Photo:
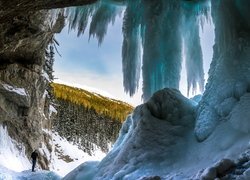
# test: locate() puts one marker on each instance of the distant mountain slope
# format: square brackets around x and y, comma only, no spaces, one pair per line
[89,120]
[112,108]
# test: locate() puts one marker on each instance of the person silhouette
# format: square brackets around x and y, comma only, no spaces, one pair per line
[34,156]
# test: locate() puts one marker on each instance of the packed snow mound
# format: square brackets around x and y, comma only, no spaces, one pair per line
[154,136]
[158,140]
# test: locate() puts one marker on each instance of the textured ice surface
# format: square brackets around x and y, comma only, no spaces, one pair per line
[229,74]
[158,140]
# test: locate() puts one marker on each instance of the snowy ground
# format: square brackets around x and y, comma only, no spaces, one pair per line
[12,156]
[66,150]
[6,174]
[65,157]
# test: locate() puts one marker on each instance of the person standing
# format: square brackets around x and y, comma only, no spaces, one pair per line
[34,156]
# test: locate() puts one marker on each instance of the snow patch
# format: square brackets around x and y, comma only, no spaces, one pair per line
[20,91]
[67,156]
[52,110]
[90,89]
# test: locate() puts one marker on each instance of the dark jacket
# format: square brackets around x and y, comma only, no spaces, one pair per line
[34,155]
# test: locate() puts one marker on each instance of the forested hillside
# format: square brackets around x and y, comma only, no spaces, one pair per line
[116,110]
[89,120]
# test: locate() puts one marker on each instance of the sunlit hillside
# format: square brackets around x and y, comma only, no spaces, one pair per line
[112,108]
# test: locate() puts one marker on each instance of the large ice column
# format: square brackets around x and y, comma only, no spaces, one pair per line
[228,88]
[162,46]
[193,52]
[131,47]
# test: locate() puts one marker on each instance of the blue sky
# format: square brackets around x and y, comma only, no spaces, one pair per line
[83,62]
[99,68]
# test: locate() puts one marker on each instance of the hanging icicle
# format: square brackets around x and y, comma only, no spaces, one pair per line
[104,15]
[157,25]
[193,54]
[131,47]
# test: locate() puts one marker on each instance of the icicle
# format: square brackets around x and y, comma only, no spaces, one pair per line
[131,51]
[193,53]
[104,15]
[162,46]
[78,17]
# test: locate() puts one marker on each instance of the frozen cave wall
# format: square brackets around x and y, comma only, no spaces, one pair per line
[227,93]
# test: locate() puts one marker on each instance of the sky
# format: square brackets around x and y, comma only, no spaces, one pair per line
[85,64]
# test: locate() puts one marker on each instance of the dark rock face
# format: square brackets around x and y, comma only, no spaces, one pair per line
[14,8]
[25,32]
[88,129]
[25,39]
[24,103]
[23,106]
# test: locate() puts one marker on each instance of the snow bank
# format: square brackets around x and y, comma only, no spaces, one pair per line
[67,156]
[154,136]
[158,140]
[12,154]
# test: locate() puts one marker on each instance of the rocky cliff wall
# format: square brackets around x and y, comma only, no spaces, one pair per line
[24,102]
[24,105]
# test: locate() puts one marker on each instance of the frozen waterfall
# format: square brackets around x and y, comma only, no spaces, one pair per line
[154,36]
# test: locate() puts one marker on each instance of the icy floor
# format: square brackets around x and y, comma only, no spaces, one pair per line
[6,174]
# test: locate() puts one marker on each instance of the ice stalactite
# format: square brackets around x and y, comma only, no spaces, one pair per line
[193,52]
[156,27]
[131,47]
[161,47]
[78,17]
[102,17]
[229,75]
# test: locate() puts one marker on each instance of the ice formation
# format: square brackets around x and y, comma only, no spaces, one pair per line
[159,28]
[168,132]
[158,140]
[192,48]
[228,85]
